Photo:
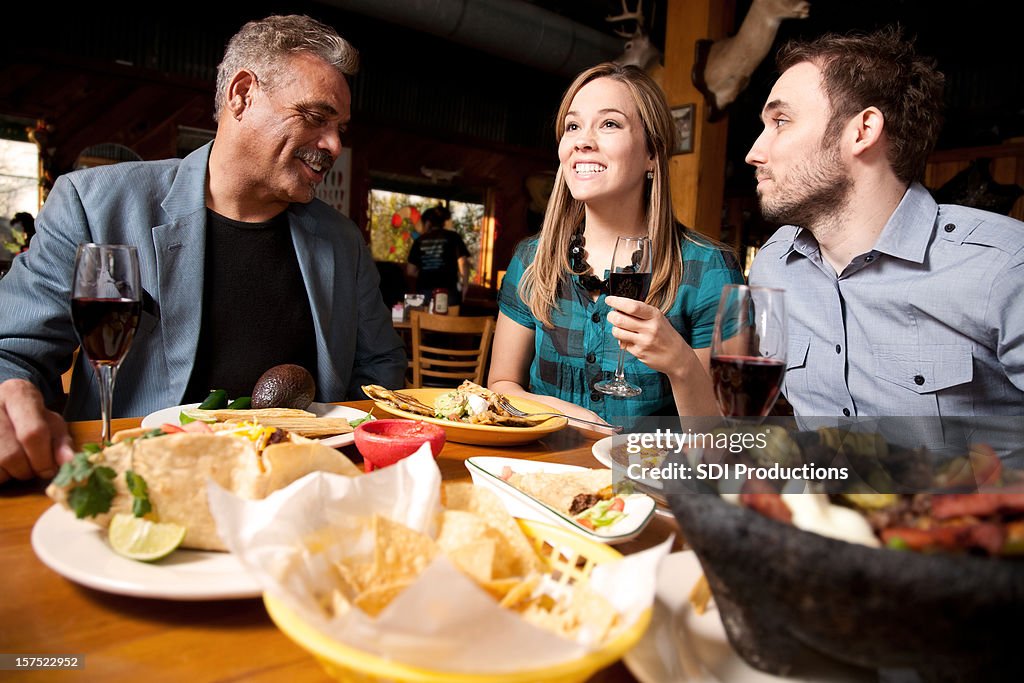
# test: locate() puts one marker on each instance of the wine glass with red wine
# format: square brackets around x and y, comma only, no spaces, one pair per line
[629,276]
[748,350]
[106,301]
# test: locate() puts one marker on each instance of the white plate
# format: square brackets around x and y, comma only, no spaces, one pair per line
[486,472]
[78,550]
[682,646]
[171,415]
[602,451]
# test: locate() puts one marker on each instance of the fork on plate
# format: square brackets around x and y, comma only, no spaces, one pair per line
[504,404]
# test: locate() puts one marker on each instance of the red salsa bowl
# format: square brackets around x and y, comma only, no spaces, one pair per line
[385,442]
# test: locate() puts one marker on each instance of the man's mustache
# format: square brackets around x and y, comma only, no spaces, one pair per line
[316,157]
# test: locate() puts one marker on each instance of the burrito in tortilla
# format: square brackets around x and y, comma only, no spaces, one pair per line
[250,460]
[586,496]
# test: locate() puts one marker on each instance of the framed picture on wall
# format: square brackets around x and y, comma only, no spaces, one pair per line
[683,117]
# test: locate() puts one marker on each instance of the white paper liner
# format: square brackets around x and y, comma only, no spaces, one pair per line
[441,621]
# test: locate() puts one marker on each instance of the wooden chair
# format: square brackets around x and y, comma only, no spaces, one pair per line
[448,349]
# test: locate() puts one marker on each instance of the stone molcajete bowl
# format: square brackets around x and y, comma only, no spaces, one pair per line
[950,618]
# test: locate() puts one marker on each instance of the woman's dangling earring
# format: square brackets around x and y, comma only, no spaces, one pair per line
[650,175]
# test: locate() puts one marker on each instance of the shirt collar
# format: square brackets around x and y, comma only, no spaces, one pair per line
[902,236]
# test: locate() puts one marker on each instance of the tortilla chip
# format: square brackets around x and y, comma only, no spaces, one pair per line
[499,588]
[400,553]
[358,574]
[374,600]
[519,594]
[584,615]
[515,555]
[475,559]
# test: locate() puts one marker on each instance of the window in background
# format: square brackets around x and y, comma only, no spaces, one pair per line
[19,192]
[19,178]
[395,222]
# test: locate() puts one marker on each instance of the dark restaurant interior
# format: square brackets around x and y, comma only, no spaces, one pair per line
[454,106]
[463,111]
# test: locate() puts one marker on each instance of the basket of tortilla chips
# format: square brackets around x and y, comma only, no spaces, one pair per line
[430,583]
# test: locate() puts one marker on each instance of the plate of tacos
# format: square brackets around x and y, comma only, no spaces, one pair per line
[469,413]
[577,498]
[327,423]
[161,474]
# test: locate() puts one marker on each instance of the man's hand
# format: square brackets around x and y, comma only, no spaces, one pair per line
[34,441]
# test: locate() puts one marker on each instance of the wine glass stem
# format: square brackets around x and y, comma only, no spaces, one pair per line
[619,374]
[106,374]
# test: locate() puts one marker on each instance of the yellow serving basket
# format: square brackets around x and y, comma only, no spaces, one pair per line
[569,556]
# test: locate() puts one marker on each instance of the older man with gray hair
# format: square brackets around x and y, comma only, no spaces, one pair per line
[242,268]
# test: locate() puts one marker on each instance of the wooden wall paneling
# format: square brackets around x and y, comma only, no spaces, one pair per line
[697,178]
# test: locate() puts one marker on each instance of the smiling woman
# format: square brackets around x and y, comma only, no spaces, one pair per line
[558,335]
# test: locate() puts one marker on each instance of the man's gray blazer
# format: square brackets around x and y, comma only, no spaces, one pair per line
[160,207]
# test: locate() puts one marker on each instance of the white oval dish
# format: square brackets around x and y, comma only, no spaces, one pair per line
[486,472]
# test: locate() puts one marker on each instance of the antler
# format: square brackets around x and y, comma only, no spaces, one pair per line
[636,15]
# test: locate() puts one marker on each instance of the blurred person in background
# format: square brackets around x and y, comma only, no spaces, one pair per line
[439,259]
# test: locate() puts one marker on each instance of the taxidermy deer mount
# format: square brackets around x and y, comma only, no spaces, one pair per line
[722,68]
[639,50]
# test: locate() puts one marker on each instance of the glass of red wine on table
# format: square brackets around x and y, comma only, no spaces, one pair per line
[106,301]
[748,350]
[630,277]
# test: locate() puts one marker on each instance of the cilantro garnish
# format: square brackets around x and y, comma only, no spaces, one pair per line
[92,485]
[140,494]
[361,420]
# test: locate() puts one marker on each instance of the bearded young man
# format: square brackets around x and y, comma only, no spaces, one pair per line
[242,268]
[896,305]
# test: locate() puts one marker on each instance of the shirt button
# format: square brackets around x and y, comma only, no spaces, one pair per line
[595,395]
[591,357]
[918,380]
[596,317]
[949,227]
[846,412]
[869,258]
[839,349]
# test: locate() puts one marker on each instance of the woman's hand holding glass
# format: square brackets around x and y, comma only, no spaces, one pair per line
[644,332]
[630,277]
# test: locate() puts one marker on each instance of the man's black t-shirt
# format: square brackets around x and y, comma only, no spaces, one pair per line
[437,254]
[256,310]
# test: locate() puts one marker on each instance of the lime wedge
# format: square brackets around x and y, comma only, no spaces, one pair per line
[195,415]
[142,539]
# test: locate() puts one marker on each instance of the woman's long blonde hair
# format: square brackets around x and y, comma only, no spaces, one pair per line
[550,269]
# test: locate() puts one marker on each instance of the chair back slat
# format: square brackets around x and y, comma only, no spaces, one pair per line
[458,348]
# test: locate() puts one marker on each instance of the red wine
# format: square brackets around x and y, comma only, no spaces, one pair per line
[106,327]
[629,285]
[745,386]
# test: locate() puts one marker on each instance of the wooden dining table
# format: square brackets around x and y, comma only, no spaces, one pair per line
[126,638]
